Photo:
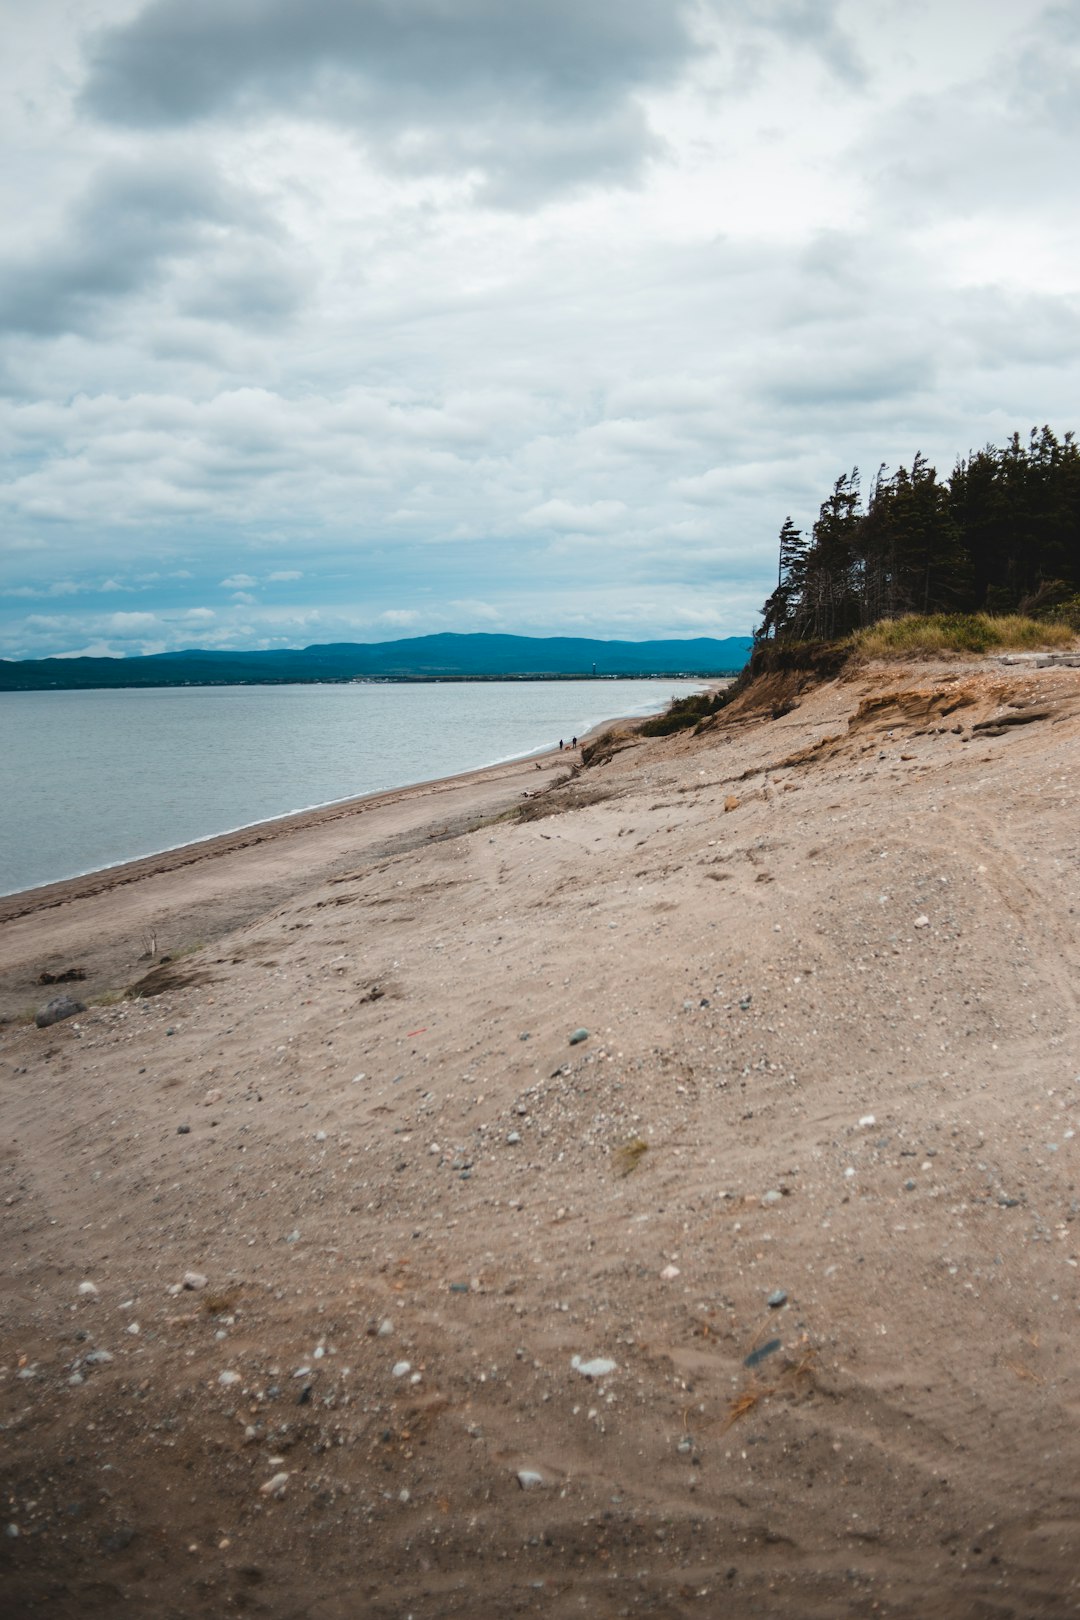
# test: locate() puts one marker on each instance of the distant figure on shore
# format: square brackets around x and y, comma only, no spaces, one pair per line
[574,743]
[560,745]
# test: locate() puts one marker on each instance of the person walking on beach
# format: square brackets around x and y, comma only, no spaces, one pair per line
[560,745]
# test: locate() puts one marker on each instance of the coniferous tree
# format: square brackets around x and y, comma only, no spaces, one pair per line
[1001,535]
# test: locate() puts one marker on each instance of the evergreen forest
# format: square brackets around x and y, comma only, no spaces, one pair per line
[1001,535]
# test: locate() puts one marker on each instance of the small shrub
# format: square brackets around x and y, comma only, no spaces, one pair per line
[685,712]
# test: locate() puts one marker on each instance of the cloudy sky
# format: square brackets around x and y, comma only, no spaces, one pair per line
[351,319]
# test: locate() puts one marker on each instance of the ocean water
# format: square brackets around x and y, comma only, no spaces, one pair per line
[91,779]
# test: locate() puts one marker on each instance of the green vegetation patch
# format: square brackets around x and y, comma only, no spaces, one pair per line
[685,712]
[957,632]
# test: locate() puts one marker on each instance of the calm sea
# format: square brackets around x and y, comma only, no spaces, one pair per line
[91,779]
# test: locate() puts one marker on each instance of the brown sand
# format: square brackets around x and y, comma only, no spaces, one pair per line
[358,1113]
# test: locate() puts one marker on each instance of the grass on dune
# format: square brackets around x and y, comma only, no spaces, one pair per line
[958,632]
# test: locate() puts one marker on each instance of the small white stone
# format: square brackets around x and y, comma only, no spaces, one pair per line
[88,1290]
[194,1280]
[227,1378]
[133,1327]
[921,922]
[529,1479]
[275,1486]
[598,1367]
[320,1136]
[386,1327]
[400,1368]
[867,1120]
[669,1273]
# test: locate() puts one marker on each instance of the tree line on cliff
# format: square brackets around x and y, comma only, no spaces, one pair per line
[1000,535]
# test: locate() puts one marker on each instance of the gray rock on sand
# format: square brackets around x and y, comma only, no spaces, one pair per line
[59,1008]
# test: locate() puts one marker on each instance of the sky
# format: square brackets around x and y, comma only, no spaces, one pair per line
[346,320]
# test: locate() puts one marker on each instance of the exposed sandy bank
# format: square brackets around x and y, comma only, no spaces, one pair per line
[772,933]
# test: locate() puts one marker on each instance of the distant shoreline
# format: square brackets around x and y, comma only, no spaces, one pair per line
[444,657]
[380,680]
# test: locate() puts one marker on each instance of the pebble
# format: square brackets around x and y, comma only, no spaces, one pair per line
[98,1358]
[294,1236]
[867,1120]
[921,922]
[669,1273]
[275,1486]
[88,1290]
[194,1280]
[598,1367]
[183,1130]
[776,1299]
[514,1138]
[400,1368]
[772,1197]
[909,1185]
[227,1379]
[529,1479]
[578,1036]
[386,1327]
[213,1096]
[133,1327]
[320,1136]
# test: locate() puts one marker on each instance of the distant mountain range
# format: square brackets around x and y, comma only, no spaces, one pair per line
[445,657]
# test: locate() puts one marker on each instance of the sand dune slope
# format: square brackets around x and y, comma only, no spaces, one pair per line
[807,1194]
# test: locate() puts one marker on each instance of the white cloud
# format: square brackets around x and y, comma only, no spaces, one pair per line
[95,649]
[565,517]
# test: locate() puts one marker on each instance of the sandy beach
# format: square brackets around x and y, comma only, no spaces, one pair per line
[657,1196]
[112,920]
